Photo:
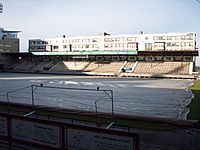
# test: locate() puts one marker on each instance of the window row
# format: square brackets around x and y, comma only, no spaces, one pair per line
[182,37]
[120,39]
[121,45]
[80,40]
[37,42]
[37,47]
[169,44]
[80,46]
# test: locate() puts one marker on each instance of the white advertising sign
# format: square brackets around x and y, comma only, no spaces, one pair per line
[37,133]
[3,126]
[88,140]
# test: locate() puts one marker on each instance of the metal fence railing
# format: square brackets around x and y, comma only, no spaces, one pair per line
[97,100]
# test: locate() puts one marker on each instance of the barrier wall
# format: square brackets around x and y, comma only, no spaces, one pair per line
[18,132]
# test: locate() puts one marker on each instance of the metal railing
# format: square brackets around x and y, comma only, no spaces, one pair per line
[108,95]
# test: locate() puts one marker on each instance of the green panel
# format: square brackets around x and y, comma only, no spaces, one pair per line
[124,52]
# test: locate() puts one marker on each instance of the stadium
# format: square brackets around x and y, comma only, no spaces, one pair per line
[171,55]
[101,92]
[147,114]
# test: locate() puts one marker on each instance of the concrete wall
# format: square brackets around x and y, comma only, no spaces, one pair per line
[9,46]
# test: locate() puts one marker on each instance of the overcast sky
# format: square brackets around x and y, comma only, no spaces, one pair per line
[53,18]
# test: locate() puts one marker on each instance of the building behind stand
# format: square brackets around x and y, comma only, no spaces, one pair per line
[9,48]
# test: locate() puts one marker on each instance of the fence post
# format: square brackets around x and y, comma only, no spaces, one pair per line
[8,101]
[96,106]
[112,103]
[32,97]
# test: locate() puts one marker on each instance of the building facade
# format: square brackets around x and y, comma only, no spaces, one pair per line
[107,42]
[9,44]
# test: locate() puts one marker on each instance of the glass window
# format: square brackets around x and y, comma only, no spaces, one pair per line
[158,58]
[177,58]
[148,46]
[119,45]
[188,58]
[106,45]
[190,44]
[168,58]
[132,58]
[55,47]
[159,38]
[176,37]
[117,39]
[94,40]
[129,39]
[140,58]
[169,44]
[149,58]
[169,38]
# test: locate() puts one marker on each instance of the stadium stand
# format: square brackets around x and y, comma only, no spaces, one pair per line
[129,64]
[25,65]
[148,55]
[179,68]
[104,67]
[68,66]
[42,66]
[87,66]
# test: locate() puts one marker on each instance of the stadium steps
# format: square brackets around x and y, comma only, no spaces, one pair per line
[176,68]
[40,66]
[25,66]
[76,65]
[139,68]
[104,67]
[129,65]
[13,67]
[68,66]
[58,67]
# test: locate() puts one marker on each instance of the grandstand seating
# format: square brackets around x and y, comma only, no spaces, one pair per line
[104,67]
[138,67]
[86,66]
[68,66]
[130,65]
[41,66]
[25,65]
[180,68]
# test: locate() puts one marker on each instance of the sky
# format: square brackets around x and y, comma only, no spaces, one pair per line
[54,18]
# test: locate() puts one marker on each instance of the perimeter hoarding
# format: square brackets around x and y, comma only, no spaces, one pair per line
[22,133]
[79,53]
[3,126]
[93,140]
[43,134]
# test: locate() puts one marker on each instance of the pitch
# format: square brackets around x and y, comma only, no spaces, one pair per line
[149,97]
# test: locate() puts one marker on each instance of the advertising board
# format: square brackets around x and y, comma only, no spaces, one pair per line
[43,134]
[3,126]
[90,140]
